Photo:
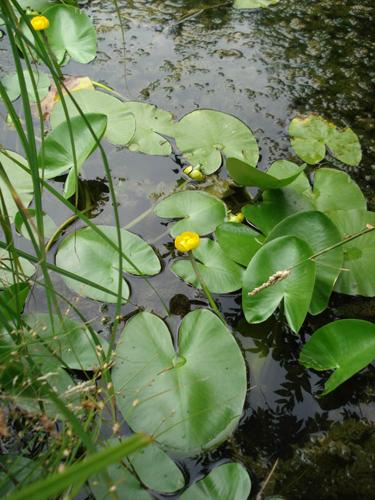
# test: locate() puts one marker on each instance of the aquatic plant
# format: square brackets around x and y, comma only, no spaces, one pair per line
[306,234]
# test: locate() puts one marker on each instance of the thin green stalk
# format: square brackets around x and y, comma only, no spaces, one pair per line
[205,287]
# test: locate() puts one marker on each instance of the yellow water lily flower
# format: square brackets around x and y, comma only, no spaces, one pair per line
[39,23]
[186,241]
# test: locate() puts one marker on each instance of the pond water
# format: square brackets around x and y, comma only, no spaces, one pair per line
[263,66]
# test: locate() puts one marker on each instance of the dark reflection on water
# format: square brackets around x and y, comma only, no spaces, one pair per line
[264,66]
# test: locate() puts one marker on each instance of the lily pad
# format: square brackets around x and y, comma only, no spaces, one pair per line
[190,400]
[20,180]
[88,255]
[150,123]
[70,33]
[253,4]
[295,290]
[204,135]
[228,481]
[336,190]
[345,346]
[13,271]
[311,133]
[157,470]
[67,339]
[238,241]
[218,271]
[56,155]
[358,275]
[280,203]
[120,122]
[12,86]
[245,175]
[48,225]
[201,212]
[320,233]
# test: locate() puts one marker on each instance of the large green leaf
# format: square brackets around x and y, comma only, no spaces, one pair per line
[246,175]
[37,5]
[358,275]
[190,400]
[20,180]
[295,290]
[150,122]
[157,470]
[120,122]
[238,241]
[280,203]
[320,233]
[336,190]
[12,86]
[49,227]
[311,133]
[67,339]
[201,212]
[228,481]
[56,155]
[13,271]
[89,256]
[204,135]
[70,33]
[253,4]
[218,271]
[346,346]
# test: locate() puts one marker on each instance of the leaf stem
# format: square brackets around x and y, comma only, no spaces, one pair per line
[205,287]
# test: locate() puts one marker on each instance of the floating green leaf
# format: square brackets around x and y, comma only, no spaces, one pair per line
[89,256]
[20,180]
[228,481]
[336,190]
[218,271]
[70,33]
[280,203]
[295,289]
[246,175]
[238,241]
[48,225]
[13,271]
[120,122]
[320,233]
[358,275]
[150,123]
[56,155]
[190,400]
[157,470]
[204,135]
[346,346]
[201,212]
[12,86]
[311,133]
[67,339]
[253,4]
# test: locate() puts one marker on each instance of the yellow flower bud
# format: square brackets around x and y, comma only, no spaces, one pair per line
[39,23]
[239,217]
[196,175]
[187,241]
[188,170]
